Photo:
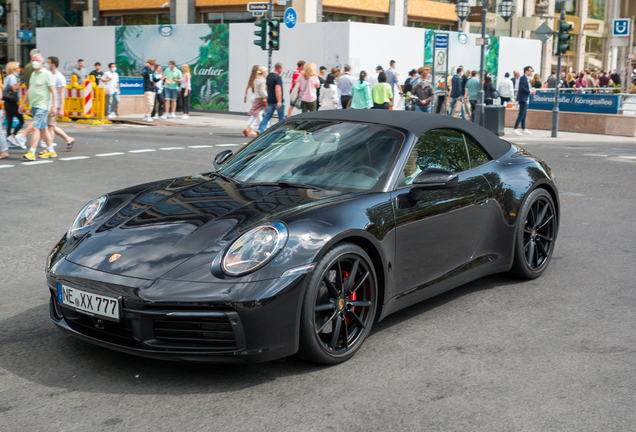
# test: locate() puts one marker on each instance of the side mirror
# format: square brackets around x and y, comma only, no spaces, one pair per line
[436,178]
[222,157]
[433,178]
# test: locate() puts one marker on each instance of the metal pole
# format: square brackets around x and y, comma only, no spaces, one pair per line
[479,109]
[555,110]
[269,50]
[16,27]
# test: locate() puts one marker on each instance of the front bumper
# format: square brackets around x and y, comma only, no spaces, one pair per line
[200,328]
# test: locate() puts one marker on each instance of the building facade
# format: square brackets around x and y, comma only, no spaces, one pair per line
[592,48]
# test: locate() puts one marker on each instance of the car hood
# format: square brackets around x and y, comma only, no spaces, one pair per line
[173,220]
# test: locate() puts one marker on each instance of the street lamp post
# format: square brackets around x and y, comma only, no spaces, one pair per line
[506,10]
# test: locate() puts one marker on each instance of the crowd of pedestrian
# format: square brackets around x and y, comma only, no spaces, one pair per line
[45,93]
[162,88]
[314,88]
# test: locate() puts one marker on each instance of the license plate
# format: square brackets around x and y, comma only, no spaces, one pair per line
[88,303]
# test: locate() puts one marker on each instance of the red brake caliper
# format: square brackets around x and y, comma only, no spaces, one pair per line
[345,275]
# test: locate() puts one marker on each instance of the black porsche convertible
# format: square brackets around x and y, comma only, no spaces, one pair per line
[297,244]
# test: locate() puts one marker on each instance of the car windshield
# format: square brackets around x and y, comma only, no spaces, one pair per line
[320,154]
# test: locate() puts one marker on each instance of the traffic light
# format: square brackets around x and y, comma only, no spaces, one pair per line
[274,35]
[564,37]
[262,34]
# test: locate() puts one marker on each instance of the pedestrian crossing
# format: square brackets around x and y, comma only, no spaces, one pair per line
[12,163]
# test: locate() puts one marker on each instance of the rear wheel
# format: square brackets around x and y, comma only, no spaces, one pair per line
[536,234]
[339,306]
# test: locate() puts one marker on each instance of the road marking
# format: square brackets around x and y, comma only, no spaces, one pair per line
[628,157]
[40,162]
[600,155]
[109,154]
[200,146]
[171,148]
[571,194]
[75,158]
[621,159]
[7,166]
[141,151]
[226,145]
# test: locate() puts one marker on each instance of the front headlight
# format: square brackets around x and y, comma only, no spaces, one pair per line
[254,249]
[87,214]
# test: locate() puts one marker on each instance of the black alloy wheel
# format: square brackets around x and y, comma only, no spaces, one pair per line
[537,231]
[339,306]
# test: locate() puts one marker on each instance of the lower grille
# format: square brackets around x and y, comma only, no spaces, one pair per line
[89,325]
[210,331]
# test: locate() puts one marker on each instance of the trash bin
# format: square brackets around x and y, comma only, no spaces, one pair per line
[495,119]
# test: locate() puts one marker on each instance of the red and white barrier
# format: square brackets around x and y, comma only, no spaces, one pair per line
[88,98]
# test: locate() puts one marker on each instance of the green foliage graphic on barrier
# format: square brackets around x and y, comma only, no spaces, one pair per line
[210,74]
[207,54]
[492,59]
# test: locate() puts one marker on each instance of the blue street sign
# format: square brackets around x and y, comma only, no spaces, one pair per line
[577,102]
[25,34]
[291,17]
[131,86]
[620,27]
[441,41]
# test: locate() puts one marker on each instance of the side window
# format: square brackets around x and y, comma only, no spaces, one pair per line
[439,148]
[475,153]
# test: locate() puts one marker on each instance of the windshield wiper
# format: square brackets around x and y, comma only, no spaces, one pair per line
[226,177]
[291,184]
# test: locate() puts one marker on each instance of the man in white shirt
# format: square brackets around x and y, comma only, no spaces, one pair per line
[345,82]
[60,86]
[112,90]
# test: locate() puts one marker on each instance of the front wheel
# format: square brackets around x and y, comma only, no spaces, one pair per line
[339,306]
[536,234]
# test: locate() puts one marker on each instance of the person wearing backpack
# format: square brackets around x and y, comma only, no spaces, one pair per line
[11,98]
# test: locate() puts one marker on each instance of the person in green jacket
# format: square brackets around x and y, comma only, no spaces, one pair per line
[381,93]
[361,93]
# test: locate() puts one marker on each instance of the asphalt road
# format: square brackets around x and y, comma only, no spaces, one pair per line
[557,353]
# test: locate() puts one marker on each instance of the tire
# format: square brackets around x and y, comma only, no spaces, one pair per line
[333,323]
[536,235]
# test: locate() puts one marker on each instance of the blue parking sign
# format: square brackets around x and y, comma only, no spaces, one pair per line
[291,17]
[620,27]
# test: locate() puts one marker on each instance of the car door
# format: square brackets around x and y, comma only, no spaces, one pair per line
[439,231]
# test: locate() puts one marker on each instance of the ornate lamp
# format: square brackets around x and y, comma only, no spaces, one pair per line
[463,9]
[506,9]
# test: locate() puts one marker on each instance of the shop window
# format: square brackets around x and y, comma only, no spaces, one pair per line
[331,16]
[141,19]
[425,25]
[112,20]
[596,9]
[52,13]
[232,17]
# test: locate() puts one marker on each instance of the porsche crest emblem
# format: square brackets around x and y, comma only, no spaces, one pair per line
[341,303]
[114,257]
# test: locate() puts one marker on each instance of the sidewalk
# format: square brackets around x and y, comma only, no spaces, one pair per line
[238,122]
[539,135]
[229,121]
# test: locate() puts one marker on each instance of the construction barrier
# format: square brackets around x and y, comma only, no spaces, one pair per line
[28,112]
[86,102]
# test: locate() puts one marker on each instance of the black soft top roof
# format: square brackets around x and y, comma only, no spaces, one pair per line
[416,122]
